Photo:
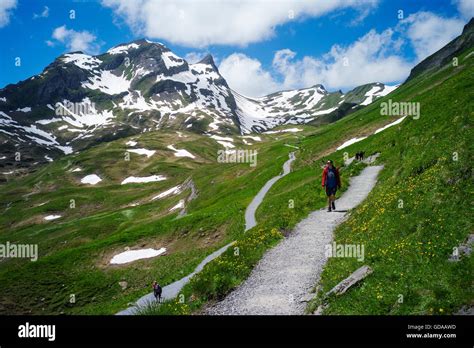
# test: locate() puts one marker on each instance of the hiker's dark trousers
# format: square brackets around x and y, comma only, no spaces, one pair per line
[331,190]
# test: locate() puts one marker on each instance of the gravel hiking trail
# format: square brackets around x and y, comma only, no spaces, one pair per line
[285,275]
[172,290]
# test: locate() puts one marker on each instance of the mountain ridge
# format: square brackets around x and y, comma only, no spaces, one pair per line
[142,86]
[446,53]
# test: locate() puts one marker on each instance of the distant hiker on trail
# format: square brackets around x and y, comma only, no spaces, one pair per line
[331,182]
[157,290]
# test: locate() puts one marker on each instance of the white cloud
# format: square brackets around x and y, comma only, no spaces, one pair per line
[374,57]
[466,8]
[6,7]
[360,18]
[297,73]
[429,32]
[44,14]
[247,76]
[194,57]
[200,23]
[75,40]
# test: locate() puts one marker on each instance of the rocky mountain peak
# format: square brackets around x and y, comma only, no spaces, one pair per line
[209,60]
[142,86]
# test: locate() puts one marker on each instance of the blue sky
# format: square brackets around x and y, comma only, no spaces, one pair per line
[260,46]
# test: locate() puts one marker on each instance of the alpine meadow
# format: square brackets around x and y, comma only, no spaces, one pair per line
[237,158]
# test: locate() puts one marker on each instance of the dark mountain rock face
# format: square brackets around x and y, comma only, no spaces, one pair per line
[447,53]
[208,60]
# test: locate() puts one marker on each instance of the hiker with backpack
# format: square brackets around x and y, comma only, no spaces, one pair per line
[157,290]
[331,182]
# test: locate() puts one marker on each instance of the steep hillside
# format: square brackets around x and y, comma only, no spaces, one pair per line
[156,190]
[410,224]
[416,221]
[446,55]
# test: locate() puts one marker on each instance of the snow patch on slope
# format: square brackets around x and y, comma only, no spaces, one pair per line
[143,179]
[350,142]
[376,92]
[356,140]
[108,83]
[133,255]
[33,133]
[145,152]
[171,60]
[122,48]
[224,141]
[51,217]
[400,120]
[180,205]
[25,109]
[85,119]
[91,179]
[172,191]
[83,61]
[181,152]
[288,130]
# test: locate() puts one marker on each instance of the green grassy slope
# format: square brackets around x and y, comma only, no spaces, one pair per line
[407,247]
[75,249]
[419,211]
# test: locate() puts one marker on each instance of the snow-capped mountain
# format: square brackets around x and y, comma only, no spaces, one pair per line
[302,105]
[80,100]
